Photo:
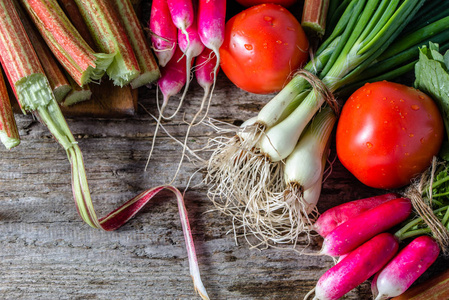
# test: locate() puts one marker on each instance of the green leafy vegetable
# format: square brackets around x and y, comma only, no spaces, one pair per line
[432,77]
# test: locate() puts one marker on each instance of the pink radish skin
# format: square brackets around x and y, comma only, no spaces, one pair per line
[173,77]
[354,232]
[191,45]
[400,273]
[356,267]
[211,29]
[211,23]
[205,72]
[337,215]
[164,33]
[182,13]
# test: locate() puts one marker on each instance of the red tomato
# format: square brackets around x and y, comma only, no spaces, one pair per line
[388,133]
[263,45]
[284,3]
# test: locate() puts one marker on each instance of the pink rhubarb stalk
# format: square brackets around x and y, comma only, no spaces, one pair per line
[74,54]
[9,135]
[314,16]
[74,15]
[58,80]
[110,37]
[149,71]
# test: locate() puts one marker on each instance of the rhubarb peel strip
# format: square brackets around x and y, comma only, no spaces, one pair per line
[121,215]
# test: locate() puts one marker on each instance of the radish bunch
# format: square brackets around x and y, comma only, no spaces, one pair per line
[197,30]
[180,23]
[357,233]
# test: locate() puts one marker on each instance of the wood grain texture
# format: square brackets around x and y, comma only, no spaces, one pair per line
[47,252]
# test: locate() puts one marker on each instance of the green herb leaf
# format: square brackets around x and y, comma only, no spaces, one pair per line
[432,78]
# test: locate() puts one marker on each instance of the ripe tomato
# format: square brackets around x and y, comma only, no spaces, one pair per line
[284,3]
[388,133]
[263,45]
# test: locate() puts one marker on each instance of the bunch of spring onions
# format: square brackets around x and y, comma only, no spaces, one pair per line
[264,176]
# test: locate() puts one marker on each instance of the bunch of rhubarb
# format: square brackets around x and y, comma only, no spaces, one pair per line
[88,44]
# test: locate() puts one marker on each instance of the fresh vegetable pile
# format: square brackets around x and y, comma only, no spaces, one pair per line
[268,176]
[264,176]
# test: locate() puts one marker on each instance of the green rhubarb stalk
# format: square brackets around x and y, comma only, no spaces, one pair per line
[314,16]
[58,81]
[9,135]
[31,86]
[77,94]
[149,70]
[74,15]
[74,54]
[110,37]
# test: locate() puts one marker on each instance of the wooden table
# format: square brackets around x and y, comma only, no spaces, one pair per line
[47,252]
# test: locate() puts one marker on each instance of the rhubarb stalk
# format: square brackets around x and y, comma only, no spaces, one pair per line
[149,71]
[74,15]
[77,94]
[314,16]
[58,81]
[9,135]
[71,50]
[110,37]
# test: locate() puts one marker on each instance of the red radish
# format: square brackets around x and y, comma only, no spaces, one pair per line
[211,30]
[182,13]
[400,273]
[359,229]
[173,78]
[164,33]
[356,267]
[211,23]
[191,45]
[206,71]
[337,215]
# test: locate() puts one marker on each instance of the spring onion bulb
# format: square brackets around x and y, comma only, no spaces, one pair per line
[250,166]
[301,188]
